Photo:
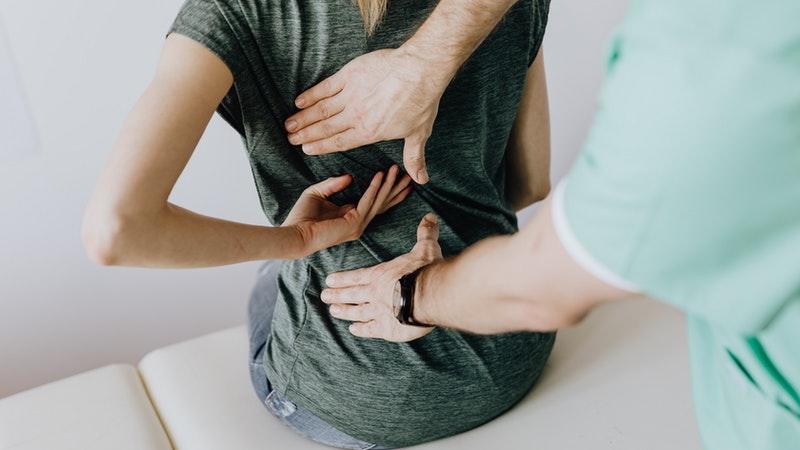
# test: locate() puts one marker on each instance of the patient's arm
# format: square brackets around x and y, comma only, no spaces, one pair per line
[528,151]
[129,220]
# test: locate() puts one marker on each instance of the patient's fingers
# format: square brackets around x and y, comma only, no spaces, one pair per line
[344,209]
[354,313]
[400,186]
[352,294]
[368,199]
[402,195]
[330,186]
[351,278]
[383,193]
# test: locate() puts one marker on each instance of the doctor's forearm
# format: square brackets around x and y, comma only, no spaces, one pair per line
[467,292]
[452,33]
[511,283]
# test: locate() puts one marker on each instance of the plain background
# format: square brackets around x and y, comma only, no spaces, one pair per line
[81,66]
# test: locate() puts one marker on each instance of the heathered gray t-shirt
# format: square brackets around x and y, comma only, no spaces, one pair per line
[385,393]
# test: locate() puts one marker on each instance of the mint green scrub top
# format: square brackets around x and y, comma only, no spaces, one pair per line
[688,189]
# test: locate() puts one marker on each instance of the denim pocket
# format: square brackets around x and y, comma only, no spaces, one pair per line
[309,425]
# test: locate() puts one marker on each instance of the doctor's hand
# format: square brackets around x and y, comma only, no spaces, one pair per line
[382,95]
[322,224]
[366,296]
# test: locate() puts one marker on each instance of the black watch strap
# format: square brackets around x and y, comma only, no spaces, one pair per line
[408,285]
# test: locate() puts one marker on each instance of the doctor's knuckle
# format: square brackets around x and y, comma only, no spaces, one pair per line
[325,85]
[369,132]
[324,110]
[414,157]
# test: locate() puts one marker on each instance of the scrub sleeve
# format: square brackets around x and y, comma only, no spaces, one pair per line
[688,189]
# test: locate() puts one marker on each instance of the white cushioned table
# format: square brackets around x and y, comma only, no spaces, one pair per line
[104,409]
[620,380]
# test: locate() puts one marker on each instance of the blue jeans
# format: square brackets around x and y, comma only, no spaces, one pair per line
[260,310]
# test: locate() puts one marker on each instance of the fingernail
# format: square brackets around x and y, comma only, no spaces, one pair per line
[308,148]
[334,309]
[291,125]
[300,102]
[422,176]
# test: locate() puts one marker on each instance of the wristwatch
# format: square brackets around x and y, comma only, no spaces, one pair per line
[403,301]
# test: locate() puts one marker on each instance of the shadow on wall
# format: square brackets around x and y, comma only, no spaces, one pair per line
[17,131]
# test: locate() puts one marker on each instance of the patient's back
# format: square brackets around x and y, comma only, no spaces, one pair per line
[388,393]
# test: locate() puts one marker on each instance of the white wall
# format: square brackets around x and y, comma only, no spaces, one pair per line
[82,64]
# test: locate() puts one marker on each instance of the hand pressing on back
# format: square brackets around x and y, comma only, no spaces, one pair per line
[367,296]
[382,95]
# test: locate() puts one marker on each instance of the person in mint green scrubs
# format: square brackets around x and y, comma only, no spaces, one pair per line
[687,190]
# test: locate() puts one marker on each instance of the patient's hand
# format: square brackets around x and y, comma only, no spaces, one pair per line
[322,224]
[366,296]
[382,95]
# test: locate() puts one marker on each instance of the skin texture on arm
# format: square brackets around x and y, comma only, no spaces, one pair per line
[522,282]
[528,282]
[394,93]
[129,220]
[528,150]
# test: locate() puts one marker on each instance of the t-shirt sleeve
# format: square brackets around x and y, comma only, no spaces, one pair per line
[209,22]
[212,23]
[541,11]
[687,187]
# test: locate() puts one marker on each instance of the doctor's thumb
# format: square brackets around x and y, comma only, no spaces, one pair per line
[414,159]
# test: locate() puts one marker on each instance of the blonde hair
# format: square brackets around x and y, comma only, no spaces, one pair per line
[372,11]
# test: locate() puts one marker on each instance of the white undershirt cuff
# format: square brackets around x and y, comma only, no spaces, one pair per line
[577,251]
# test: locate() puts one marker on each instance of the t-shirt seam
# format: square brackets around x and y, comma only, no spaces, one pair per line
[225,51]
[540,16]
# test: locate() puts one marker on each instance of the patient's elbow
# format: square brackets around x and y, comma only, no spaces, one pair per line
[103,236]
[540,191]
[532,193]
